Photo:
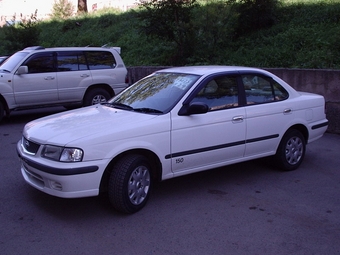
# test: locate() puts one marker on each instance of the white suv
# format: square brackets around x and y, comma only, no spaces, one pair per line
[70,76]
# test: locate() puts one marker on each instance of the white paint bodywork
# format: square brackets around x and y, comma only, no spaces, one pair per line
[182,144]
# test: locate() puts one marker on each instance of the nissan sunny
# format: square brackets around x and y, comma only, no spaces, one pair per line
[174,122]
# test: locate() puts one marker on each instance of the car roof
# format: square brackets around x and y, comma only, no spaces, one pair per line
[210,69]
[215,69]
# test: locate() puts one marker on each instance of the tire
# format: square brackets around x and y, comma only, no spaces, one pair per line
[130,184]
[291,150]
[2,111]
[96,96]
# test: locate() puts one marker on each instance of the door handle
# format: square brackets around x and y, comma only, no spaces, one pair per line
[84,75]
[49,78]
[237,119]
[287,111]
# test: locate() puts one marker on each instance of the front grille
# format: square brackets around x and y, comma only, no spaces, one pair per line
[29,146]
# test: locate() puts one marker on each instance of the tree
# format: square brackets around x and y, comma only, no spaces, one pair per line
[82,6]
[62,9]
[255,15]
[170,20]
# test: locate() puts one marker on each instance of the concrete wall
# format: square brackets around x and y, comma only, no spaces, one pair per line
[323,82]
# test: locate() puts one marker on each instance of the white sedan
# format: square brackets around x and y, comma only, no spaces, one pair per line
[174,122]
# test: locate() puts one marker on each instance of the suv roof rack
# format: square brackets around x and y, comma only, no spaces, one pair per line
[35,48]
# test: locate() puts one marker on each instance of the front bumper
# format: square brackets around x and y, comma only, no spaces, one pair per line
[67,180]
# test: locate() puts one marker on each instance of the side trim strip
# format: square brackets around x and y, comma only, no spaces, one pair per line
[262,138]
[58,171]
[320,125]
[221,146]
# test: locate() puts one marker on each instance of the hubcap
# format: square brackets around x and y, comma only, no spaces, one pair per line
[98,99]
[139,184]
[294,150]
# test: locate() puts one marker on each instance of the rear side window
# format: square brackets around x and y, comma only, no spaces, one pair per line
[40,63]
[260,89]
[71,61]
[100,60]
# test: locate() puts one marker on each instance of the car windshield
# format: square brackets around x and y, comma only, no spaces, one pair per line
[156,94]
[12,61]
[2,59]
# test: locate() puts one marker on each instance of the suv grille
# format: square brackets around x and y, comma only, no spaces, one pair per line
[29,146]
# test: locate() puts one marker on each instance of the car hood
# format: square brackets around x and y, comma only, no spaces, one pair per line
[85,123]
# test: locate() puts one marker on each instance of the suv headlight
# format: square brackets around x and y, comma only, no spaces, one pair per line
[62,154]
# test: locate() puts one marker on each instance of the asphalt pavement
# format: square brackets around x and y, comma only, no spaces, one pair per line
[247,208]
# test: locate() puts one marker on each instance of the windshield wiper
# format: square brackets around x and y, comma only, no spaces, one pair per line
[147,110]
[118,105]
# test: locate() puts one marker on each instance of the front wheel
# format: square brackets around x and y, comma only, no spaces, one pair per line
[2,111]
[291,150]
[96,96]
[129,184]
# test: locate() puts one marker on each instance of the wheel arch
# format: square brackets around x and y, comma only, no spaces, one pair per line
[4,104]
[105,86]
[155,163]
[302,129]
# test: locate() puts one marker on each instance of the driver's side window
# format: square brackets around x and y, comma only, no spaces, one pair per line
[40,63]
[219,93]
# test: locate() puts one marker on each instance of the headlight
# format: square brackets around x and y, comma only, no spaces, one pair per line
[62,154]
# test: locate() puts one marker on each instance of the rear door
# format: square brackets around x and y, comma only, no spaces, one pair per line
[73,74]
[267,111]
[39,85]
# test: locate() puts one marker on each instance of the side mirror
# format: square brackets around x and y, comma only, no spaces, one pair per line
[194,108]
[22,70]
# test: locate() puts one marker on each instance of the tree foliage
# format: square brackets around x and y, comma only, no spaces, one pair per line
[21,34]
[302,35]
[255,15]
[62,9]
[169,20]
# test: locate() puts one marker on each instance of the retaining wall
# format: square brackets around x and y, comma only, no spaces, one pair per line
[323,82]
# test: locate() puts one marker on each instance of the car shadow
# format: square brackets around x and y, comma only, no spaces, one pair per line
[215,182]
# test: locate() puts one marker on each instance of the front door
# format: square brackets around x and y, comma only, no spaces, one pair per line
[203,141]
[39,85]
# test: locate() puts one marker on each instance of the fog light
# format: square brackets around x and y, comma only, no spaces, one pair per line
[56,185]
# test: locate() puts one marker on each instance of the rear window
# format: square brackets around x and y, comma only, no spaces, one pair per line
[100,60]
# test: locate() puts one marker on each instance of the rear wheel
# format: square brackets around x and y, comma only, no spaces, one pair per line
[291,150]
[96,96]
[130,183]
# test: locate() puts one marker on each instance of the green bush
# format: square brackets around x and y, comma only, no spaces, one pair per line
[296,33]
[20,34]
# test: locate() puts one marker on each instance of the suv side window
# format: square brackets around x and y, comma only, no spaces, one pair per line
[40,63]
[219,93]
[260,89]
[100,60]
[71,61]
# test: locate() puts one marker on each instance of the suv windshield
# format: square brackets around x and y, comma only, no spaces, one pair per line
[13,61]
[157,93]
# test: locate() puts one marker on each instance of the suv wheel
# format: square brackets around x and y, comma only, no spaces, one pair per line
[2,111]
[96,96]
